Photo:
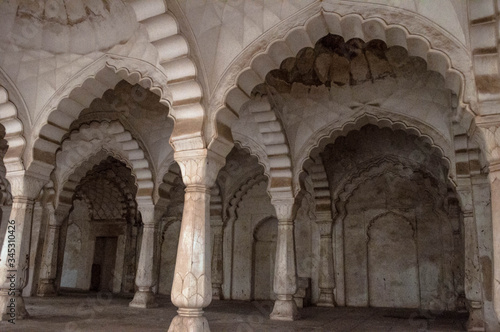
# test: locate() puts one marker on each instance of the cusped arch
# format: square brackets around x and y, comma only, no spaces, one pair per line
[11,122]
[71,99]
[310,154]
[171,182]
[237,197]
[174,59]
[251,71]
[349,27]
[111,137]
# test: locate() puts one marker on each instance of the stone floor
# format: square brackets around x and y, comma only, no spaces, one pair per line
[101,312]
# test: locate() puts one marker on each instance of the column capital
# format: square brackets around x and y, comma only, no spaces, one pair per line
[199,167]
[25,186]
[283,202]
[147,213]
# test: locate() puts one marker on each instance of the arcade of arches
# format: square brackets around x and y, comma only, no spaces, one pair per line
[311,153]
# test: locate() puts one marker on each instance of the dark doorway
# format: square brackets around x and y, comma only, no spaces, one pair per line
[103,266]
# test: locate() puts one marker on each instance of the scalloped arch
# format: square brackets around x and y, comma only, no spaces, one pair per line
[90,140]
[251,71]
[237,197]
[71,99]
[328,135]
[170,179]
[254,149]
[14,131]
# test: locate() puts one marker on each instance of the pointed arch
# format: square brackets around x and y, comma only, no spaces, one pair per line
[248,70]
[88,143]
[68,102]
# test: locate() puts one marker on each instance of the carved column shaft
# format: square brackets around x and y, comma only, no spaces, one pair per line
[326,274]
[144,278]
[285,273]
[14,257]
[192,284]
[217,256]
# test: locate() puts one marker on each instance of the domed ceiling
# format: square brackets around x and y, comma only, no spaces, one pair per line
[66,26]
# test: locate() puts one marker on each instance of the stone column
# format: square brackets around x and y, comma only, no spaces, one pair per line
[48,271]
[473,292]
[192,285]
[494,178]
[326,275]
[144,278]
[14,257]
[217,255]
[285,273]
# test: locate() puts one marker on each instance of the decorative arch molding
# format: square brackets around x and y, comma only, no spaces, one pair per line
[91,139]
[10,119]
[237,197]
[176,61]
[306,28]
[68,102]
[306,158]
[320,188]
[254,149]
[276,144]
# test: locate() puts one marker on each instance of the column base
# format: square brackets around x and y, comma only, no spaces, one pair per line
[325,300]
[12,308]
[285,309]
[143,300]
[189,320]
[476,321]
[46,288]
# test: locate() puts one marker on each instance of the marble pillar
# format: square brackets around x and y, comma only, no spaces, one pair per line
[192,284]
[285,273]
[48,268]
[144,279]
[14,257]
[217,256]
[473,291]
[326,278]
[494,177]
